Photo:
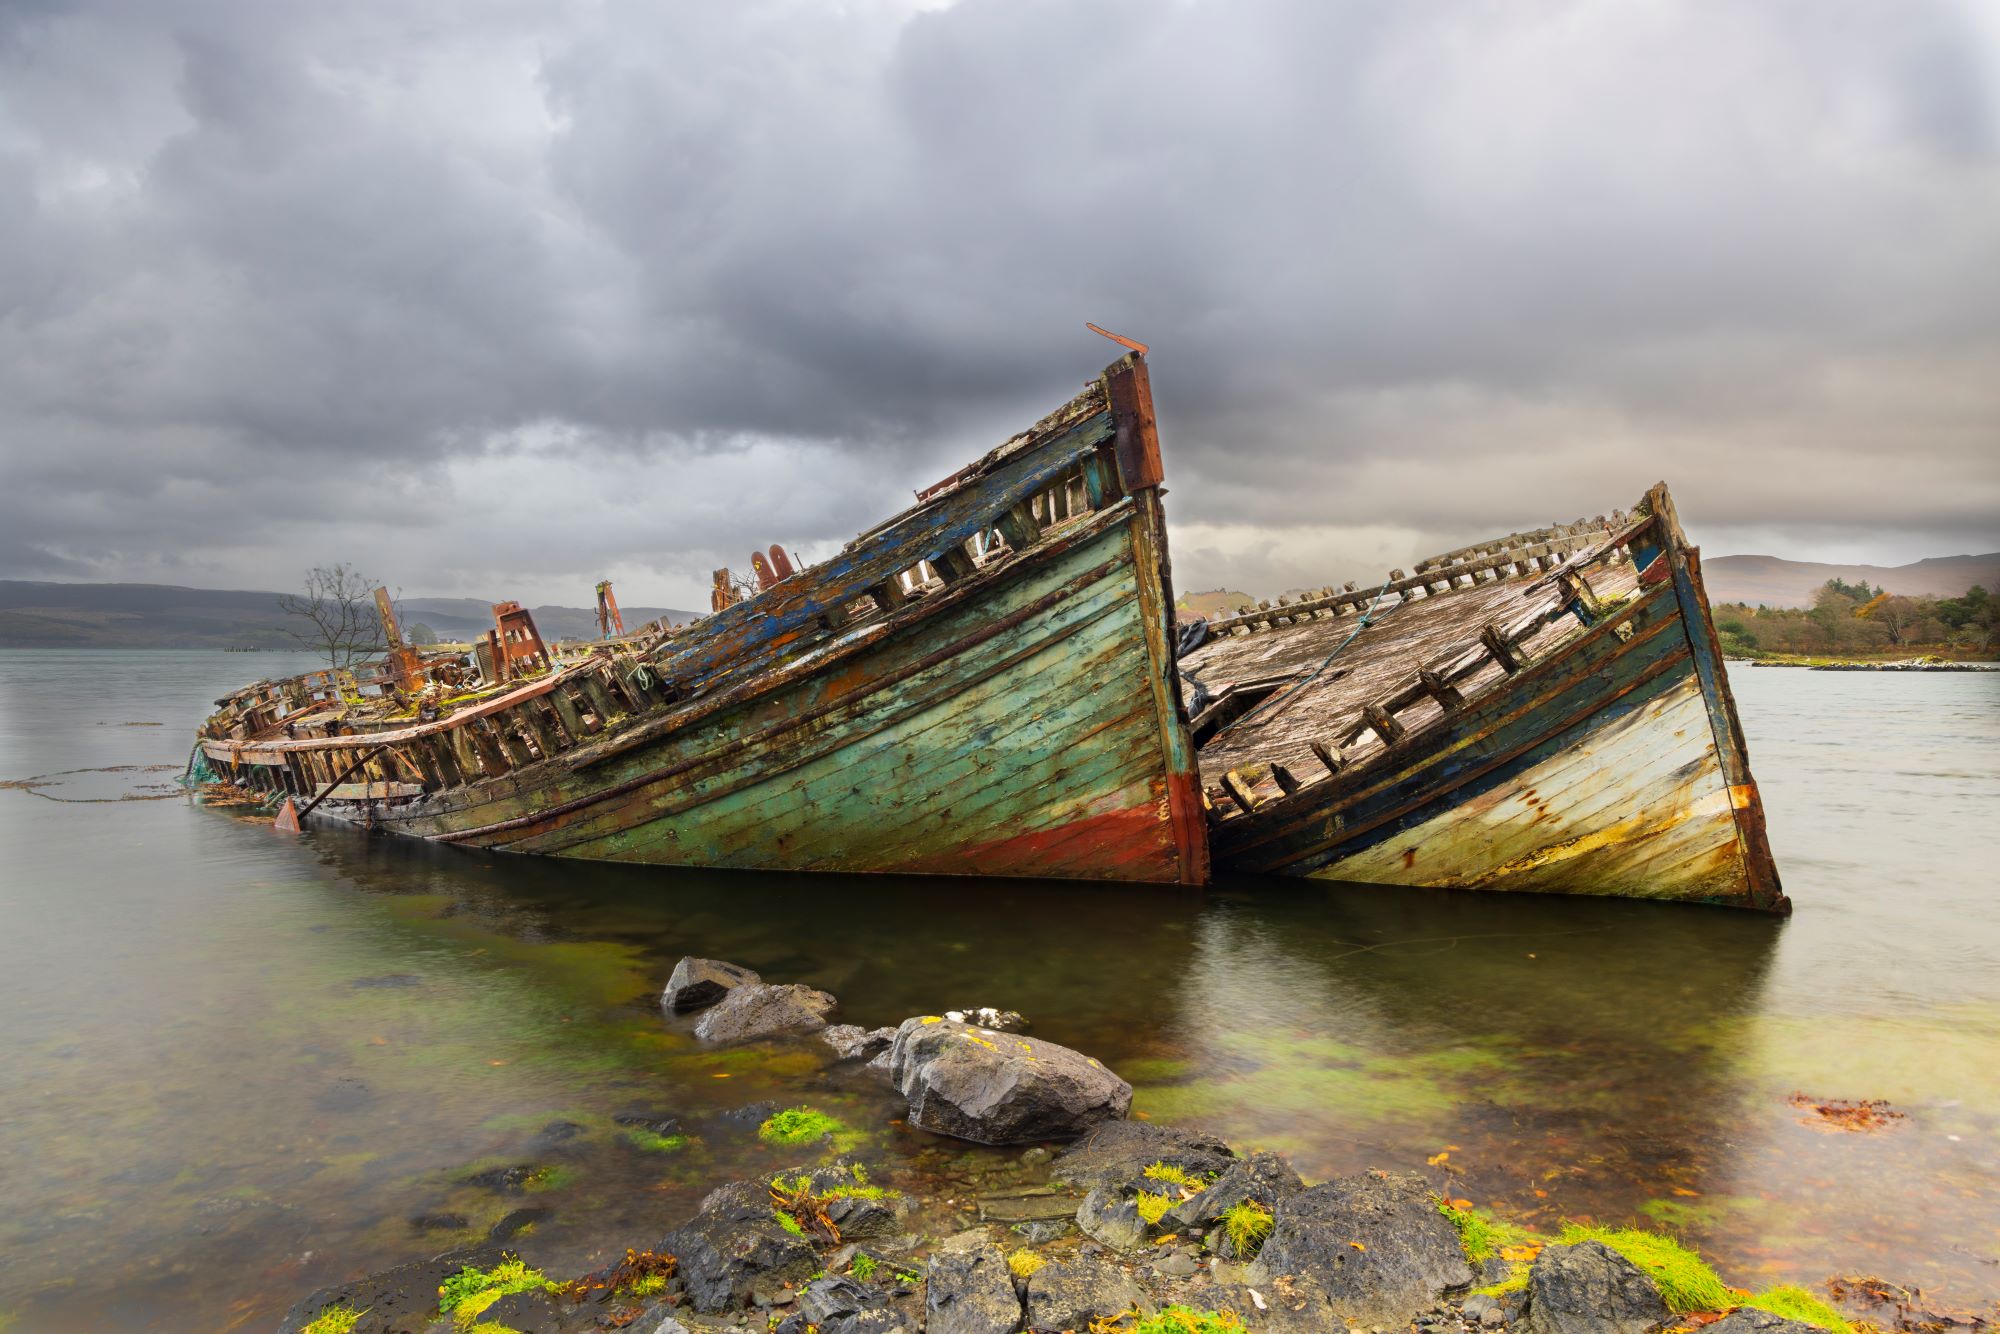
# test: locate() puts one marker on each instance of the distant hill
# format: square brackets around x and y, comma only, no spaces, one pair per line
[46,615]
[1772,581]
[1216,602]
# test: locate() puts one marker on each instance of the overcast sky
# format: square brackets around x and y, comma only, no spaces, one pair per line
[501,298]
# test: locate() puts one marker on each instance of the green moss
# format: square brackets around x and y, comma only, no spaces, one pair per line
[788,1223]
[1247,1223]
[1514,1282]
[642,1138]
[1684,1278]
[1475,1234]
[1024,1263]
[860,1193]
[1152,1207]
[1176,1176]
[338,1319]
[864,1266]
[799,1125]
[1795,1303]
[1186,1320]
[471,1290]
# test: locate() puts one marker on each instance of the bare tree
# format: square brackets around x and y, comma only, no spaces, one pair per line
[337,612]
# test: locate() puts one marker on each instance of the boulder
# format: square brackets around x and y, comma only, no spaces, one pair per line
[1376,1243]
[1000,1088]
[734,1245]
[1588,1288]
[699,983]
[1263,1177]
[969,1289]
[851,1042]
[402,1300]
[758,1010]
[1069,1293]
[1117,1151]
[1747,1320]
[846,1306]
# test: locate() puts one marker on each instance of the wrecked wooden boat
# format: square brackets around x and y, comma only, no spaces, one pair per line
[1546,712]
[982,685]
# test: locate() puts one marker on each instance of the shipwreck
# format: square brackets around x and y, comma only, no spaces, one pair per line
[1547,711]
[994,682]
[983,684]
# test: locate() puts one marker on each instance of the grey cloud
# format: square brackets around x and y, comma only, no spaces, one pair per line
[275,279]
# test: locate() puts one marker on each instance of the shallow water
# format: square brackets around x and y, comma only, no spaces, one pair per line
[237,1066]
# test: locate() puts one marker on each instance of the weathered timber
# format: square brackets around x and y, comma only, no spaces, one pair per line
[1585,743]
[844,717]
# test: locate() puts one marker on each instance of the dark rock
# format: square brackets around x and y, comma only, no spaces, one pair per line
[402,1300]
[846,1306]
[1117,1151]
[1263,1177]
[1040,1230]
[557,1133]
[861,1220]
[851,1042]
[1110,1214]
[1588,1288]
[517,1222]
[735,1245]
[1177,1265]
[1285,1305]
[969,1289]
[346,1095]
[698,983]
[504,1180]
[751,1115]
[659,1123]
[1746,1320]
[1069,1293]
[529,1312]
[1375,1243]
[757,1010]
[995,1088]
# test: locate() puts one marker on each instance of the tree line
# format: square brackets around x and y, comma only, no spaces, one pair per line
[1857,620]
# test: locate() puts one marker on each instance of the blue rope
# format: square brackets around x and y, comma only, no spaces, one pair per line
[1367,619]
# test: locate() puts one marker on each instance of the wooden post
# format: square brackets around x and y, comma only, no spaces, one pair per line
[1502,651]
[1384,723]
[1328,756]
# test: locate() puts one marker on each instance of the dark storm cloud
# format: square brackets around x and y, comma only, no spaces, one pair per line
[498,297]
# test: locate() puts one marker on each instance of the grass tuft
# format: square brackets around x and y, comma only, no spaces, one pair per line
[1247,1223]
[1795,1303]
[1684,1278]
[864,1266]
[1024,1262]
[1176,1176]
[337,1319]
[799,1125]
[1152,1208]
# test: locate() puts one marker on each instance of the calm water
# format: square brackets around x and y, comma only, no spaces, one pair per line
[236,1066]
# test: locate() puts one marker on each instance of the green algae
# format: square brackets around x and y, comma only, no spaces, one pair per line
[653,1142]
[464,1295]
[799,1125]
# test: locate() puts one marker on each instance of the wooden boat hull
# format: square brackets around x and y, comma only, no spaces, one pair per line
[1019,718]
[1612,765]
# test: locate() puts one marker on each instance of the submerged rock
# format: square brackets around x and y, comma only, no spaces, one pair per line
[994,1088]
[1119,1151]
[698,983]
[1069,1293]
[968,1289]
[759,1010]
[734,1246]
[1376,1243]
[1588,1288]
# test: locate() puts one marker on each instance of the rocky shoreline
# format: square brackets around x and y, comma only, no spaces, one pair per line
[1109,1224]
